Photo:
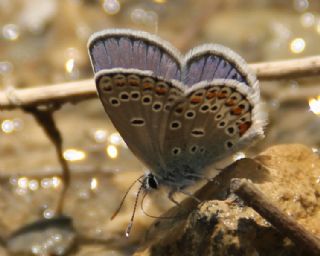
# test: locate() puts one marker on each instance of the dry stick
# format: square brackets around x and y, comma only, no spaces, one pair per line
[285,224]
[50,94]
[45,119]
[308,66]
[84,89]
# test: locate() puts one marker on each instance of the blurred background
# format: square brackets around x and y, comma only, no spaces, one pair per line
[44,42]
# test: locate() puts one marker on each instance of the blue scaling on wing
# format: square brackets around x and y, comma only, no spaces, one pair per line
[211,61]
[127,49]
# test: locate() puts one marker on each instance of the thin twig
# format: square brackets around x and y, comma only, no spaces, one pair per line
[85,89]
[45,119]
[308,66]
[285,224]
[58,93]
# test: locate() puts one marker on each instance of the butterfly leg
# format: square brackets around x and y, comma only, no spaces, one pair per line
[190,195]
[202,177]
[170,196]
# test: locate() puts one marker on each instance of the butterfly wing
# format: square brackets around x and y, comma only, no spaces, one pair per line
[132,72]
[219,115]
[213,61]
[137,104]
[129,49]
[214,120]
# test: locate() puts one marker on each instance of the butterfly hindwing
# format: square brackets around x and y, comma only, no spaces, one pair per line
[137,104]
[209,124]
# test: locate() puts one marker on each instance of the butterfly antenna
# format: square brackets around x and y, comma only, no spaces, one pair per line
[128,230]
[124,197]
[149,215]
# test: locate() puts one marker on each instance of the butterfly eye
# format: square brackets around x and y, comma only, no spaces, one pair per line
[119,80]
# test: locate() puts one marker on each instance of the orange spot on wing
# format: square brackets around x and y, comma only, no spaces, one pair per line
[222,95]
[230,103]
[236,111]
[244,127]
[196,99]
[147,85]
[211,95]
[120,82]
[133,82]
[161,90]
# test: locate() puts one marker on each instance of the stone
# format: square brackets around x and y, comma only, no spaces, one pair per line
[289,175]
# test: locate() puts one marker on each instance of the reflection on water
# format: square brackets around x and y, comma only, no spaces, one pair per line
[91,201]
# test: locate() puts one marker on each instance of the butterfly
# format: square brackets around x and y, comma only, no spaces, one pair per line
[177,114]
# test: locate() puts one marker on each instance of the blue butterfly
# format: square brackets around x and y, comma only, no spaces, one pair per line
[177,114]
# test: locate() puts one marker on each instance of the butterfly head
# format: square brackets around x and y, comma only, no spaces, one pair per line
[150,182]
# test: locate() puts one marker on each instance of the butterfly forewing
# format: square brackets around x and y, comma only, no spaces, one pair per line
[134,50]
[209,62]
